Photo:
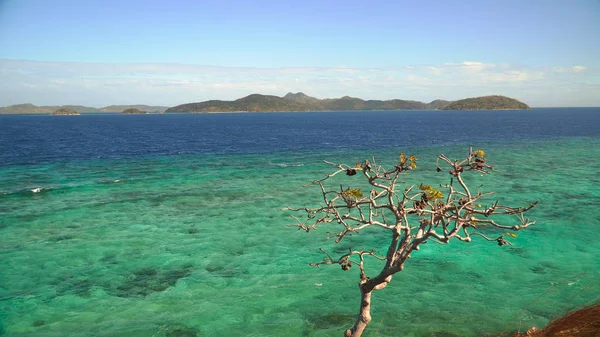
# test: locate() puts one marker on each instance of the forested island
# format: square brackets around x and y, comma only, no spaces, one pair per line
[133,111]
[486,103]
[65,112]
[302,102]
[29,108]
[290,102]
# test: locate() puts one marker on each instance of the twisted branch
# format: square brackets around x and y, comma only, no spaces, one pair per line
[418,215]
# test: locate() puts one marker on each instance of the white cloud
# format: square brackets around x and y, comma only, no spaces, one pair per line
[344,70]
[511,76]
[98,84]
[28,85]
[469,67]
[471,64]
[573,69]
[434,70]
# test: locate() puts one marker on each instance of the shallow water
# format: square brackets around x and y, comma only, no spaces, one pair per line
[153,242]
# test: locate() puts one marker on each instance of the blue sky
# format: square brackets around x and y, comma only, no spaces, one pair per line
[546,53]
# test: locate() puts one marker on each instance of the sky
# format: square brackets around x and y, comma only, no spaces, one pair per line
[97,53]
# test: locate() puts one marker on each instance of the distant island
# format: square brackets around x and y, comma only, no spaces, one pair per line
[29,108]
[65,112]
[146,108]
[302,102]
[290,102]
[486,103]
[133,111]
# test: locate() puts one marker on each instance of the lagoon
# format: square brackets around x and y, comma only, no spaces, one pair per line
[170,225]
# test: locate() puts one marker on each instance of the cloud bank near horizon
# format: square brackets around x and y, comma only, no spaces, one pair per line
[101,84]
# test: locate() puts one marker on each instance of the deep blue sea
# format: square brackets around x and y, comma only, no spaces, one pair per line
[170,225]
[26,139]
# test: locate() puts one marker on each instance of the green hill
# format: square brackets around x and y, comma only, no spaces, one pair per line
[253,103]
[302,102]
[65,112]
[26,108]
[486,103]
[438,103]
[344,103]
[302,98]
[134,111]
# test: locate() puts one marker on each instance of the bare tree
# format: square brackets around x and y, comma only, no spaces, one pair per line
[412,215]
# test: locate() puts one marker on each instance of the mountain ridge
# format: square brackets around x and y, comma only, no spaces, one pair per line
[28,108]
[290,102]
[301,102]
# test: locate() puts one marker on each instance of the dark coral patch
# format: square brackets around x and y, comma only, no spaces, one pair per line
[182,332]
[148,280]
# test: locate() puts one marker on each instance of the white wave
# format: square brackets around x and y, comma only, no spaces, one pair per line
[287,165]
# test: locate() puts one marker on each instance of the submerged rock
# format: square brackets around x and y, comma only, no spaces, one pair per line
[182,331]
[331,321]
[148,280]
[193,230]
[38,323]
[226,270]
[442,334]
[70,285]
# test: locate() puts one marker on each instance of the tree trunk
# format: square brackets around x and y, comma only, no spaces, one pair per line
[364,315]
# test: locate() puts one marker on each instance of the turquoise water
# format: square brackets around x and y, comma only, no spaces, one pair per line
[196,245]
